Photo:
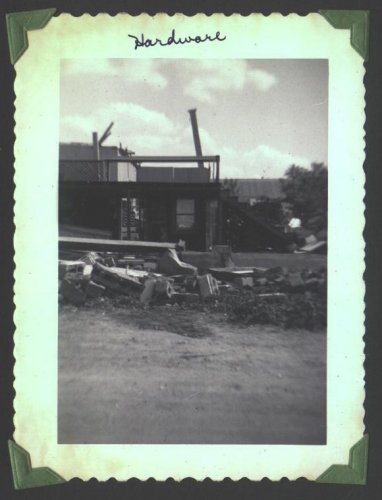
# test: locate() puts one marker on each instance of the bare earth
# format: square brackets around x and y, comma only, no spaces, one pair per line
[211,382]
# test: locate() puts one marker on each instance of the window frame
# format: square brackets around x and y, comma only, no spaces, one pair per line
[185,213]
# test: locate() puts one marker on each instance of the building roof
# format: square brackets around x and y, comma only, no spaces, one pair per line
[259,189]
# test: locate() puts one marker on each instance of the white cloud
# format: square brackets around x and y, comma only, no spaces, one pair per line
[134,125]
[209,77]
[139,117]
[147,131]
[199,89]
[263,161]
[76,128]
[152,143]
[129,71]
[262,79]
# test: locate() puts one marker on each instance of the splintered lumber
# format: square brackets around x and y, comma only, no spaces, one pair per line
[208,286]
[230,273]
[116,280]
[98,245]
[95,290]
[69,266]
[170,264]
[90,258]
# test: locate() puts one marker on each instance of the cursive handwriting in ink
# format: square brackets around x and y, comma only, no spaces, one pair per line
[175,40]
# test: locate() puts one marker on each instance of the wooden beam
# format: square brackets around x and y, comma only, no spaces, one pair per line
[94,245]
[156,159]
[106,134]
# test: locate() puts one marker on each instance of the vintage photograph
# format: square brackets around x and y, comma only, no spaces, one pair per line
[192,211]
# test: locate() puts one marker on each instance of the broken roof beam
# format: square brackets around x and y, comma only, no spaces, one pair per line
[106,134]
[100,245]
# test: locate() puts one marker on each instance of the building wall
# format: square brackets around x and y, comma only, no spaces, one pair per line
[122,172]
[92,205]
[93,171]
[77,151]
[211,222]
[172,174]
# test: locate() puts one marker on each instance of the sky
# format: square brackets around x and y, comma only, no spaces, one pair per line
[260,116]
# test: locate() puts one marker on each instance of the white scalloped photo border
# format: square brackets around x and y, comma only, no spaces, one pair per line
[36,241]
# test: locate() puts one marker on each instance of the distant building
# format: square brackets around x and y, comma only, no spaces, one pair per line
[253,191]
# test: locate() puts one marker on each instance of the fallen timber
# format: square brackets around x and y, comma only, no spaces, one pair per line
[101,245]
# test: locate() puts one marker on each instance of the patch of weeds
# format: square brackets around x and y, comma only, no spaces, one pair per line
[299,310]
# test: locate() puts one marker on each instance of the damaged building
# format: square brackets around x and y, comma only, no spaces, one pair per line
[110,192]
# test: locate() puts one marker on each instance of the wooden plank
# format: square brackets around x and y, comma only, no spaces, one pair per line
[91,244]
[230,273]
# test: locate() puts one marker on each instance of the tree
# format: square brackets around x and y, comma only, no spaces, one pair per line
[307,190]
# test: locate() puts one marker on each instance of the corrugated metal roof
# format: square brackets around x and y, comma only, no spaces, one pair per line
[247,189]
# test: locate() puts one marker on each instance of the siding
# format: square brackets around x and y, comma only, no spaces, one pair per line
[172,174]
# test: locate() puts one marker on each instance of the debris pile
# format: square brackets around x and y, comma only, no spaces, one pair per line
[160,279]
[247,295]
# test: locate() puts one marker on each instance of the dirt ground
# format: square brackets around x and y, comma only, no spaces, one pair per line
[176,376]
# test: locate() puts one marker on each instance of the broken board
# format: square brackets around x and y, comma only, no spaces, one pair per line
[92,244]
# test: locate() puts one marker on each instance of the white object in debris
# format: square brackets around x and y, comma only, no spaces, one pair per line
[136,273]
[294,223]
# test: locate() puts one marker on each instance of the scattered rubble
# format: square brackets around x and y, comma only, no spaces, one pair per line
[295,280]
[91,258]
[116,279]
[245,281]
[148,291]
[163,289]
[72,292]
[245,295]
[208,286]
[72,266]
[230,273]
[170,264]
[94,290]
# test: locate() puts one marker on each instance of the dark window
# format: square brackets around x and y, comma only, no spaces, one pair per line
[185,214]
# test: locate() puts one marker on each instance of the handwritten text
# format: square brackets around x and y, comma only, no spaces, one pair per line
[173,39]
